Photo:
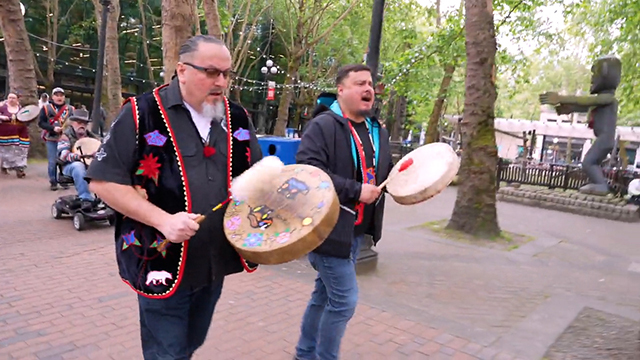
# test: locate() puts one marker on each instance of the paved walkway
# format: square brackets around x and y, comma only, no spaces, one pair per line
[429,298]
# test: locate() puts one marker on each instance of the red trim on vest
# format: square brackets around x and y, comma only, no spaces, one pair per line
[134,107]
[185,244]
[229,147]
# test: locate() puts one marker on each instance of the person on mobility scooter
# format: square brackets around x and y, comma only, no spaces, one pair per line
[76,148]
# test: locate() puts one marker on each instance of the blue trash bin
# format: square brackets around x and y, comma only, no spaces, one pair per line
[284,148]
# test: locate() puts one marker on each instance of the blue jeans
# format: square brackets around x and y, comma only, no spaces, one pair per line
[77,170]
[332,304]
[52,159]
[174,328]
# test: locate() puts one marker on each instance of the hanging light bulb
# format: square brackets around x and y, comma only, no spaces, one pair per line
[269,63]
[274,70]
[264,70]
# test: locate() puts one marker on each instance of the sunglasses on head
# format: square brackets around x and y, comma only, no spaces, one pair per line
[212,72]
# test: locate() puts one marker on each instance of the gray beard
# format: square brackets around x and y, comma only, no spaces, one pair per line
[214,111]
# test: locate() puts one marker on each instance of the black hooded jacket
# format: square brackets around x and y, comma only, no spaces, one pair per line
[326,144]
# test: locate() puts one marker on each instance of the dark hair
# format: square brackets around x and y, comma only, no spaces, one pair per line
[192,43]
[344,71]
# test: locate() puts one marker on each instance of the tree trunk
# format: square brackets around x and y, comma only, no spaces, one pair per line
[433,134]
[20,64]
[399,113]
[212,16]
[112,80]
[52,35]
[145,41]
[569,151]
[196,18]
[283,107]
[475,208]
[389,120]
[177,17]
[286,97]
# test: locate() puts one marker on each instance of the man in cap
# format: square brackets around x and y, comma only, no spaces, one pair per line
[73,165]
[51,120]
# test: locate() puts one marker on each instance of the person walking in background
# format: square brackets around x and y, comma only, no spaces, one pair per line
[44,100]
[51,120]
[98,122]
[14,138]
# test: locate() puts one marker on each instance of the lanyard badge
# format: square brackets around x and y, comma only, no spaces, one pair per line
[368,173]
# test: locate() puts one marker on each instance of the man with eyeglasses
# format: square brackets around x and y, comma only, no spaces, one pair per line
[169,157]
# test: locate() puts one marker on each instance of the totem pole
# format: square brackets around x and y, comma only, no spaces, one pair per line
[602,107]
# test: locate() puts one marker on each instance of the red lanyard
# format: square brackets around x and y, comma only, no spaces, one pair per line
[368,174]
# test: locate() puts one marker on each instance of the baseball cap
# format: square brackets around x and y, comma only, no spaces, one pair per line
[57,90]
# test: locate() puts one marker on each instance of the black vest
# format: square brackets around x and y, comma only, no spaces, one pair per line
[161,178]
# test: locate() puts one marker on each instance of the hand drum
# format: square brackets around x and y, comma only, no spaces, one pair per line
[284,217]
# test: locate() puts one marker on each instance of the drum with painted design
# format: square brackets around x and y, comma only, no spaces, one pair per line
[288,216]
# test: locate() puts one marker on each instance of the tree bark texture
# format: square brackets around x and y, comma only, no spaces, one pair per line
[212,17]
[21,65]
[475,208]
[433,133]
[177,20]
[389,120]
[145,40]
[196,18]
[285,100]
[112,80]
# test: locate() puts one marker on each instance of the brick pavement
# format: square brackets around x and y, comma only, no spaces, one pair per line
[61,299]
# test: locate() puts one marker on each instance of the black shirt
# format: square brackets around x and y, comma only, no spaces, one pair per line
[363,133]
[206,176]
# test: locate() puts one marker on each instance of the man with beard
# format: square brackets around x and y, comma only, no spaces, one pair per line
[169,157]
[76,129]
[348,143]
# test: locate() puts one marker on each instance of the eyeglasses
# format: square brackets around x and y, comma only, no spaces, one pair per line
[212,72]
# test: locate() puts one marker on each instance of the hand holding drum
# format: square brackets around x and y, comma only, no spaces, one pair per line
[422,173]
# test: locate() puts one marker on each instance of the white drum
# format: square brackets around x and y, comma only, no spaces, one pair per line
[433,168]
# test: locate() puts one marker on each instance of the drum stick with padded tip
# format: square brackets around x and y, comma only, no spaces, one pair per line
[405,165]
[163,245]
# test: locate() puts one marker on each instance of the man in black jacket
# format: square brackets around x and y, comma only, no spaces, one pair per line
[349,144]
[51,120]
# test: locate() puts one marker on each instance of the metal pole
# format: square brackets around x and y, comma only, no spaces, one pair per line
[96,116]
[367,254]
[375,35]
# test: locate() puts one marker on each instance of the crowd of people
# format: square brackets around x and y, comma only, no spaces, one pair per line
[62,125]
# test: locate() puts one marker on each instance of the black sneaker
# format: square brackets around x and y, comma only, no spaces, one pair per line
[53,187]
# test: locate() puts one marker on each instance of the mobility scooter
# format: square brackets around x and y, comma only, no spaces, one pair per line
[82,212]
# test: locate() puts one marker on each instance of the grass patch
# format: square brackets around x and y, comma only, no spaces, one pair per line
[506,241]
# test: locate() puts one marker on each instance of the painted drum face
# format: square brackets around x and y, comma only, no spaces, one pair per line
[285,218]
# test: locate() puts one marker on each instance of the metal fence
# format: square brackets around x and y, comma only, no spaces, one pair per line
[556,176]
[399,149]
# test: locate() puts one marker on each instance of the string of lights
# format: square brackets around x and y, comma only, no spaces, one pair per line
[263,85]
[320,86]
